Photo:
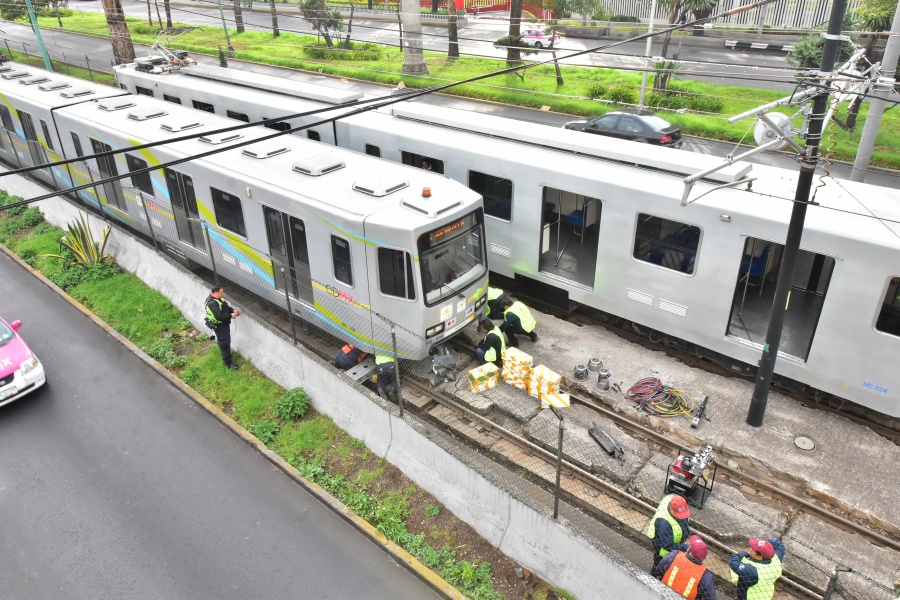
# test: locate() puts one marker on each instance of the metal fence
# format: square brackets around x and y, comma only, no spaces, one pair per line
[783,14]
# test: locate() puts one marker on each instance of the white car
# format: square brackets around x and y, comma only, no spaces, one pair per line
[540,39]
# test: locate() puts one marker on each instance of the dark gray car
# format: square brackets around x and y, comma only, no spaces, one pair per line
[632,124]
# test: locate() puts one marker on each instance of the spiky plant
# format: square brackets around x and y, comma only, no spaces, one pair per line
[79,240]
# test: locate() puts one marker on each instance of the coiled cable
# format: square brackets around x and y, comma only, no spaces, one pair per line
[660,400]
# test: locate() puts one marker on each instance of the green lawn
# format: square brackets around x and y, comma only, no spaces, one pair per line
[709,105]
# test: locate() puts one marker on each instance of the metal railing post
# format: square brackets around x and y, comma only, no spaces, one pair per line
[559,455]
[287,299]
[149,223]
[396,370]
[87,61]
[212,259]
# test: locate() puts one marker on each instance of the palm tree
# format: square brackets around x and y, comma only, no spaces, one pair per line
[700,9]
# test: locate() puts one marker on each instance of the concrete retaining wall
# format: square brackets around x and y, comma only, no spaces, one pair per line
[520,528]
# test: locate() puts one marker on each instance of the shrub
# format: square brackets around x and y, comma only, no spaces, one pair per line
[624,19]
[265,431]
[710,104]
[621,95]
[293,405]
[596,90]
[78,245]
[191,375]
[31,216]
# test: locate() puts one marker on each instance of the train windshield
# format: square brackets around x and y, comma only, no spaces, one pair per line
[452,257]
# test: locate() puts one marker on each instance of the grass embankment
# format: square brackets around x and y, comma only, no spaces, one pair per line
[709,105]
[281,419]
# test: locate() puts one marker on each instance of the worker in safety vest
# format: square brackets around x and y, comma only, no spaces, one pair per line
[491,347]
[386,369]
[756,570]
[668,526]
[517,319]
[495,298]
[685,573]
[348,357]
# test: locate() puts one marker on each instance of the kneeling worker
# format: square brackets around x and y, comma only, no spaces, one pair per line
[386,369]
[517,319]
[495,298]
[491,347]
[685,573]
[348,357]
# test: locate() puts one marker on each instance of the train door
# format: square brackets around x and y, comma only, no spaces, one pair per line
[754,294]
[288,247]
[184,207]
[7,147]
[34,146]
[570,235]
[107,166]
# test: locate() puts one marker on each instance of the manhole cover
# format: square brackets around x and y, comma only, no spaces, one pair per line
[804,443]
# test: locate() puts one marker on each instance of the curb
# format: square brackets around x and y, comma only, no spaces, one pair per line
[403,557]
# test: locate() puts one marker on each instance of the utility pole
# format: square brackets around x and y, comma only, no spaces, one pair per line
[647,51]
[119,36]
[883,88]
[225,27]
[37,34]
[808,164]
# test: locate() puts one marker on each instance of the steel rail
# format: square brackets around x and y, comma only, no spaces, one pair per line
[768,487]
[578,472]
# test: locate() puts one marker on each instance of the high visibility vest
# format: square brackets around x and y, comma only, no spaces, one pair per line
[521,311]
[490,354]
[381,359]
[768,574]
[662,512]
[209,312]
[683,575]
[494,293]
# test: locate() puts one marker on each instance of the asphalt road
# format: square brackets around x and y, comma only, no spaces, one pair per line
[115,485]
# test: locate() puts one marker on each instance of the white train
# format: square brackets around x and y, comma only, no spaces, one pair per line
[598,221]
[358,243]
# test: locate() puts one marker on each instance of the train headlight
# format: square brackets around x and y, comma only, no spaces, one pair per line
[481,302]
[433,331]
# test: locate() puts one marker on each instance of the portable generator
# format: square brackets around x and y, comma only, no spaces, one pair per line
[692,476]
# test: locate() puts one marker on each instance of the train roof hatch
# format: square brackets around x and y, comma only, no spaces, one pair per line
[53,85]
[76,92]
[111,104]
[379,184]
[34,80]
[317,165]
[288,87]
[266,149]
[180,123]
[142,114]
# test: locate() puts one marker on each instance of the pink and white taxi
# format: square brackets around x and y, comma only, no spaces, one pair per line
[20,370]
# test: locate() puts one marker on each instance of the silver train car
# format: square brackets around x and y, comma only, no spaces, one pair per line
[359,245]
[574,218]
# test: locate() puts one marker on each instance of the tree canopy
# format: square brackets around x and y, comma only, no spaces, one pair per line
[875,15]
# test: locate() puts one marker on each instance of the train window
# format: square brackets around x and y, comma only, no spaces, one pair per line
[666,243]
[298,241]
[172,99]
[142,181]
[77,143]
[278,125]
[889,317]
[7,118]
[451,257]
[313,135]
[340,256]
[395,273]
[236,115]
[373,150]
[497,193]
[229,213]
[107,166]
[47,136]
[423,162]
[142,91]
[204,106]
